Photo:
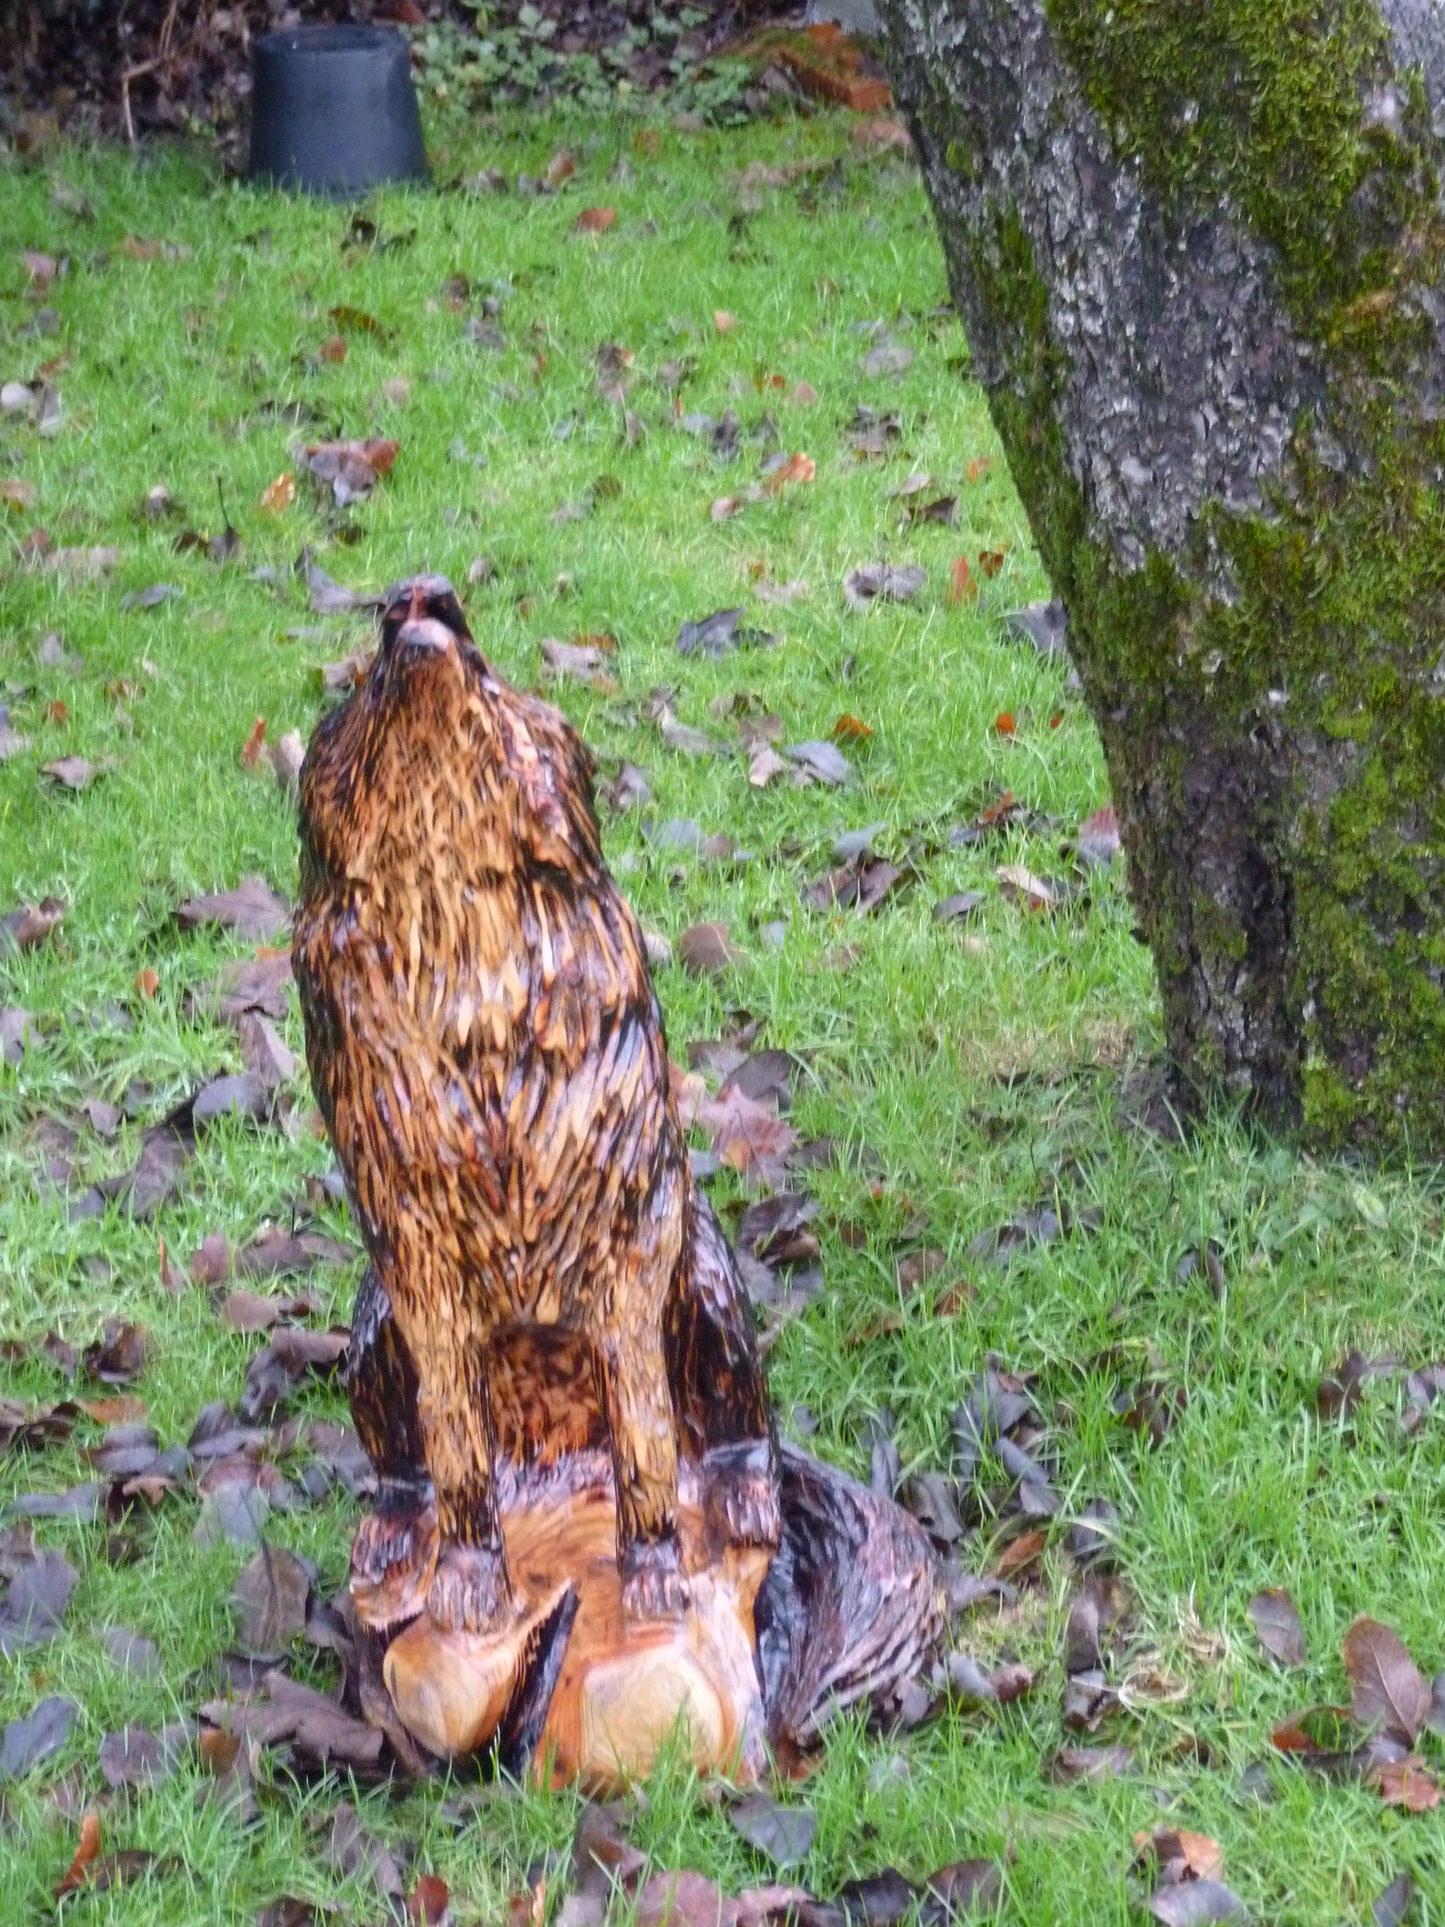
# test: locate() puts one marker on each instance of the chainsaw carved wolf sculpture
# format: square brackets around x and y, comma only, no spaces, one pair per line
[553,1368]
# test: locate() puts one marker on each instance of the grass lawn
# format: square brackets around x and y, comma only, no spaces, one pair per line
[973,1069]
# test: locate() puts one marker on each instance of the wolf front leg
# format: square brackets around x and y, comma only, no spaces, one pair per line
[394,1552]
[642,1427]
[444,1332]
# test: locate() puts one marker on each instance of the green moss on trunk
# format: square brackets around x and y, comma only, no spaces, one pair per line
[1260,101]
[1306,701]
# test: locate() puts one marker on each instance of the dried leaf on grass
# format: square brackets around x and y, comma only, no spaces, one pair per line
[706,950]
[151,597]
[426,1904]
[1019,885]
[881,581]
[351,469]
[1195,1904]
[354,1849]
[134,1756]
[1407,1783]
[764,766]
[28,926]
[718,634]
[71,772]
[270,1597]
[265,1055]
[958,908]
[243,1095]
[157,1173]
[1172,1855]
[27,1743]
[1277,1624]
[822,761]
[784,1834]
[118,1356]
[579,662]
[286,758]
[1088,1763]
[1387,1689]
[889,358]
[863,883]
[11,742]
[17,1027]
[280,1367]
[627,789]
[1098,839]
[253,910]
[793,468]
[283,1710]
[749,1137]
[87,1847]
[1395,1905]
[687,1899]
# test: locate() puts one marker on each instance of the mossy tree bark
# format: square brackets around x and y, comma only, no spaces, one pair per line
[1199,251]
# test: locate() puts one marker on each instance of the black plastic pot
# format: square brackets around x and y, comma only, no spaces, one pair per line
[333,111]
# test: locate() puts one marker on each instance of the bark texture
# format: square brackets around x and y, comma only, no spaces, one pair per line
[1200,255]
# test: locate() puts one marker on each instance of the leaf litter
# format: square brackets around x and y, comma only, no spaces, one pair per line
[1276,1622]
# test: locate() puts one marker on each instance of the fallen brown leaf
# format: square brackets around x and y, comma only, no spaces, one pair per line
[211,1262]
[85,1852]
[1276,1622]
[270,1598]
[746,1134]
[1019,1554]
[1195,1903]
[1087,1763]
[352,468]
[706,950]
[1179,1855]
[595,220]
[1098,838]
[119,1355]
[426,1904]
[797,468]
[1021,886]
[253,910]
[1387,1689]
[28,926]
[1407,1783]
[70,772]
[764,766]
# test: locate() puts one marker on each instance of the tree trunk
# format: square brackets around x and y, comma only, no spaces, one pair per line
[1198,249]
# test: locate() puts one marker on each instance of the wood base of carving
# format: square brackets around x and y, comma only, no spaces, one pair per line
[847,1609]
[622,1693]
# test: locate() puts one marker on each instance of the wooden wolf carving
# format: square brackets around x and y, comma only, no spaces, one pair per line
[585,1538]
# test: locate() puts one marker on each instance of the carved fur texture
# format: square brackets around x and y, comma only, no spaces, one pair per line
[488,1053]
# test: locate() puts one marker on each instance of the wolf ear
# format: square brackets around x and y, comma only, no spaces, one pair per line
[444,603]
